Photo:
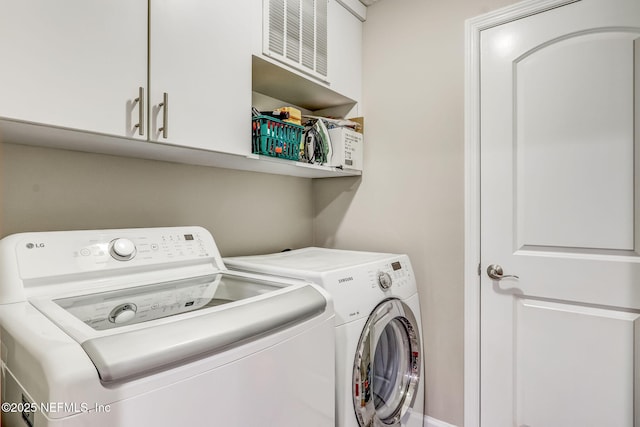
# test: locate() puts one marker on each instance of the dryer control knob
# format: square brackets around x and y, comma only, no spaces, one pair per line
[384,280]
[122,249]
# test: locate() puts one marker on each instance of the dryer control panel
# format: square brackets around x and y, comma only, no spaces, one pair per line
[390,274]
[366,285]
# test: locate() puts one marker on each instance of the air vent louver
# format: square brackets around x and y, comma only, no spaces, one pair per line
[276,26]
[296,34]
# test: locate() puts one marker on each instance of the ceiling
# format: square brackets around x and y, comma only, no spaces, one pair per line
[368,2]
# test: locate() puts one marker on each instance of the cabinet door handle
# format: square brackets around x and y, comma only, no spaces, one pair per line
[165,115]
[140,101]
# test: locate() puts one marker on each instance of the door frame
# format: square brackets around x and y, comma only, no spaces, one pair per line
[473,28]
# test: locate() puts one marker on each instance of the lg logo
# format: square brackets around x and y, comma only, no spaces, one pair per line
[35,245]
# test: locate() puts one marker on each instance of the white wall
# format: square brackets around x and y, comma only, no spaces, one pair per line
[247,213]
[410,197]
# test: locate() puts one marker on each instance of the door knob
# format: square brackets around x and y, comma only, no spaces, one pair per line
[496,273]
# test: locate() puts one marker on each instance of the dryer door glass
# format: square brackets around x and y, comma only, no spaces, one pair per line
[386,367]
[390,367]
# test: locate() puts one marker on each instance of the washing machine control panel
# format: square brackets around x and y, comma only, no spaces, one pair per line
[51,254]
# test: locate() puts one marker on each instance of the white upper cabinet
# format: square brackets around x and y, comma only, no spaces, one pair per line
[200,58]
[345,51]
[307,52]
[82,65]
[73,63]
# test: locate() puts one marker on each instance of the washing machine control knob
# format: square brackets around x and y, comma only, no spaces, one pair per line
[384,280]
[123,313]
[122,249]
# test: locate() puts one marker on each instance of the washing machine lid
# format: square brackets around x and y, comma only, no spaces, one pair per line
[318,260]
[386,370]
[138,329]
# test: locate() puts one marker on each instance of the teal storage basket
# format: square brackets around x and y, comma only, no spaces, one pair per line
[275,138]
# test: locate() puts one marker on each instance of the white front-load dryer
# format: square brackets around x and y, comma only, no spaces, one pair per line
[379,350]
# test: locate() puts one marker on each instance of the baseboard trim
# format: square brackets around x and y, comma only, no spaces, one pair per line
[433,422]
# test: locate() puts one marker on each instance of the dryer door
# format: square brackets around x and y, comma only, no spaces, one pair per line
[387,365]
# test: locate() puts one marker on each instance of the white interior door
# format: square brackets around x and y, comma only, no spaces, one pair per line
[560,208]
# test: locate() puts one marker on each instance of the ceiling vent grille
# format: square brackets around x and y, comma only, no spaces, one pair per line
[295,32]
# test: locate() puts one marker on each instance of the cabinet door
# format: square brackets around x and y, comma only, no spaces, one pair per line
[73,63]
[345,51]
[200,56]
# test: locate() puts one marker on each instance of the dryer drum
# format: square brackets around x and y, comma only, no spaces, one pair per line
[387,364]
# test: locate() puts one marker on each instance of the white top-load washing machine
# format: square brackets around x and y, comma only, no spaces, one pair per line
[379,376]
[146,327]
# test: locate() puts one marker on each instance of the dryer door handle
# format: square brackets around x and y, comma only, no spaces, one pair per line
[382,317]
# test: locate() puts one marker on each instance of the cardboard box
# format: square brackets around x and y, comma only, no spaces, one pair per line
[347,148]
[360,122]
